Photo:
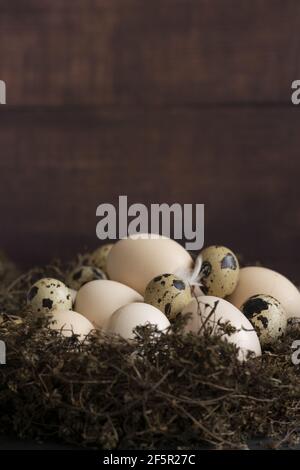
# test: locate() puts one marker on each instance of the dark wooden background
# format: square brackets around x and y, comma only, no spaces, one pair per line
[161,100]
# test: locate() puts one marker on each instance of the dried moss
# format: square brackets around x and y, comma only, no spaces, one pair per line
[171,391]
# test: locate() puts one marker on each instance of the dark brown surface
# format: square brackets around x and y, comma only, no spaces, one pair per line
[160,51]
[163,101]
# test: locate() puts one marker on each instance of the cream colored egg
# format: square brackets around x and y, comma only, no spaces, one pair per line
[49,294]
[209,312]
[97,300]
[136,260]
[69,323]
[99,257]
[219,270]
[127,318]
[255,280]
[267,316]
[169,294]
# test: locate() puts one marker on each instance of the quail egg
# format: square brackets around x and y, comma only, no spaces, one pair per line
[219,271]
[169,294]
[47,295]
[83,274]
[99,257]
[267,316]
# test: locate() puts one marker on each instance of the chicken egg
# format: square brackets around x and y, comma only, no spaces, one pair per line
[210,312]
[69,323]
[127,318]
[97,300]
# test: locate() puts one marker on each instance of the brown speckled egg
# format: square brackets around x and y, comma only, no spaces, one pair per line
[169,294]
[99,257]
[48,295]
[219,271]
[267,316]
[83,274]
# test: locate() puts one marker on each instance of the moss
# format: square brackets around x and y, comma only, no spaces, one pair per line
[167,391]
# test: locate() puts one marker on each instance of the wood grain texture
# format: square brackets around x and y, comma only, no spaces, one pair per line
[242,163]
[158,52]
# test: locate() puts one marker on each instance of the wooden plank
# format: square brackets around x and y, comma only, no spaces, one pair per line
[243,164]
[157,52]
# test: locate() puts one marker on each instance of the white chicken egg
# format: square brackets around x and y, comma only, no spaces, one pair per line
[68,323]
[127,318]
[97,300]
[210,311]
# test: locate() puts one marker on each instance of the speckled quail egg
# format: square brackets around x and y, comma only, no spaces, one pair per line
[99,257]
[267,316]
[83,274]
[169,294]
[219,271]
[47,295]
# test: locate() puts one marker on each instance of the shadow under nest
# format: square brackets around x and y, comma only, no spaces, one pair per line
[168,391]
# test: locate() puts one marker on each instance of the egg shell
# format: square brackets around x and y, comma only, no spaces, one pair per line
[99,257]
[69,322]
[83,274]
[127,318]
[201,307]
[49,294]
[97,300]
[169,294]
[134,261]
[267,316]
[220,271]
[256,280]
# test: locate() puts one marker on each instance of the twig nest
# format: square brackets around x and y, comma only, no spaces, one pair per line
[49,294]
[124,321]
[219,271]
[99,257]
[83,274]
[267,316]
[98,300]
[214,315]
[169,294]
[70,323]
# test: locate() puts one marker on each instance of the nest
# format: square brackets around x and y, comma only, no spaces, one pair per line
[166,391]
